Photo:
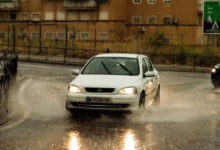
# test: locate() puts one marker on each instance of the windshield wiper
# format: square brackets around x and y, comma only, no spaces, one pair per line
[126,69]
[109,72]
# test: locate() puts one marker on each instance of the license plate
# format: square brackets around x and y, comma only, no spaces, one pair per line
[98,100]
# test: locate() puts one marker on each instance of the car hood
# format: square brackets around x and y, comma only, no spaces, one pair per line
[105,81]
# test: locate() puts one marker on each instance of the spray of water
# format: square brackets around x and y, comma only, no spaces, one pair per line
[41,99]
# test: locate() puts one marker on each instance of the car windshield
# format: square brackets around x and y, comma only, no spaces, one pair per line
[112,66]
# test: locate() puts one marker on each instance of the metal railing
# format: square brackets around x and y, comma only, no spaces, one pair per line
[8,68]
[73,56]
[184,62]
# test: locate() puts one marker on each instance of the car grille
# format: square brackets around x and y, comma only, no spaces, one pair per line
[100,90]
[99,105]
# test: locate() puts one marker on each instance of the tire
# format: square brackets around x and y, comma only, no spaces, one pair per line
[215,84]
[142,101]
[157,97]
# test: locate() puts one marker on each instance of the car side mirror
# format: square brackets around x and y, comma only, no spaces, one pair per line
[150,74]
[75,72]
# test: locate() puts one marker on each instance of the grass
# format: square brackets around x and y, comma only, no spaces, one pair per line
[131,47]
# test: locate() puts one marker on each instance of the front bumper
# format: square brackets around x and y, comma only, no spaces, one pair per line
[117,102]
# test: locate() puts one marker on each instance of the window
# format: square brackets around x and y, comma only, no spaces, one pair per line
[13,16]
[72,16]
[149,64]
[103,36]
[2,35]
[35,35]
[137,20]
[49,35]
[151,20]
[22,35]
[61,36]
[112,66]
[36,16]
[167,20]
[103,15]
[60,16]
[49,16]
[144,66]
[84,16]
[24,16]
[137,1]
[72,36]
[167,1]
[84,36]
[2,16]
[151,1]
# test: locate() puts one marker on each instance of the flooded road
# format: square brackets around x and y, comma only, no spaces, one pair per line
[187,119]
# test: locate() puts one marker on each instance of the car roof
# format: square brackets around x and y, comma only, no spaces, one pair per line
[127,55]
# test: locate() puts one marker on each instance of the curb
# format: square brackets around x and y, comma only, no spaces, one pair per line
[6,120]
[184,70]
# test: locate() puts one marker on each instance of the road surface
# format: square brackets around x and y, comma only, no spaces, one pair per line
[187,119]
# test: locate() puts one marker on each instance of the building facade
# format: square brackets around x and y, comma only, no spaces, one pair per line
[104,23]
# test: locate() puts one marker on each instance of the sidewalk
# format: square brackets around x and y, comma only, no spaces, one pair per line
[182,68]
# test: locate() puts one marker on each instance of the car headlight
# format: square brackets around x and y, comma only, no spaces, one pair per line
[74,89]
[128,91]
[213,70]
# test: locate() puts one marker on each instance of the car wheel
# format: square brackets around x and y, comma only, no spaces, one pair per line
[142,101]
[216,85]
[157,97]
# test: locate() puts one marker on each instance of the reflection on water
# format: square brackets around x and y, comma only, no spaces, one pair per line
[73,141]
[129,141]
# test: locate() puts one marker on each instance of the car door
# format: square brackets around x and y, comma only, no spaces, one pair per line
[154,79]
[147,82]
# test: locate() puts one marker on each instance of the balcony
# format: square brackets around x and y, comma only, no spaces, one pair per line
[9,4]
[79,5]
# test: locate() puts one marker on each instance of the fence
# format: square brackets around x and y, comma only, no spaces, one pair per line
[100,35]
[193,63]
[95,35]
[8,68]
[73,42]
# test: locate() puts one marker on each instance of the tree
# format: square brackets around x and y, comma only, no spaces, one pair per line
[156,40]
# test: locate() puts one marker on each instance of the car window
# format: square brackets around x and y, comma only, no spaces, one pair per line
[112,66]
[149,64]
[144,66]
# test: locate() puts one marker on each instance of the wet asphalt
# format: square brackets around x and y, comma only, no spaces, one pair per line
[187,119]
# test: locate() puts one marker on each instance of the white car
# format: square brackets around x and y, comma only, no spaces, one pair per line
[116,82]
